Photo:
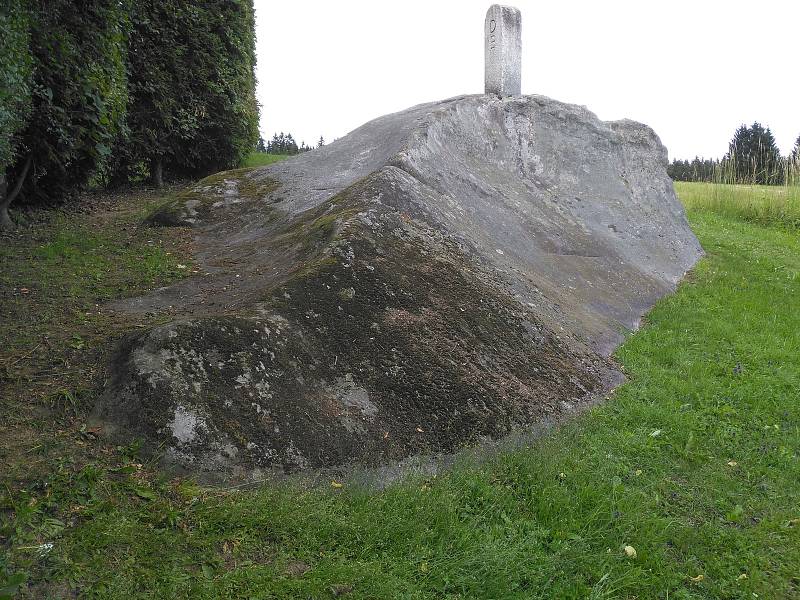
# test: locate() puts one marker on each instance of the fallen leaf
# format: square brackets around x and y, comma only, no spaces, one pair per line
[655,433]
[698,579]
[630,551]
[145,493]
[742,577]
[24,290]
[638,472]
[733,463]
[419,429]
[336,484]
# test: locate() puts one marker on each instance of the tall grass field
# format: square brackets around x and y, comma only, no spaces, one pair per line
[685,484]
[766,205]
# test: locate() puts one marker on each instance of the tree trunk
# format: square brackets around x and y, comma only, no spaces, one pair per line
[5,220]
[157,172]
[6,197]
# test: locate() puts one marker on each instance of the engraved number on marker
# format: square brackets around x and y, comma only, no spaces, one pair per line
[492,36]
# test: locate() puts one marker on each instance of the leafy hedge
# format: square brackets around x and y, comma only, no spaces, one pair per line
[103,90]
[79,93]
[15,77]
[193,108]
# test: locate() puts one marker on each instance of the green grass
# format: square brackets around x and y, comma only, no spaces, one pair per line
[58,273]
[259,159]
[693,462]
[765,205]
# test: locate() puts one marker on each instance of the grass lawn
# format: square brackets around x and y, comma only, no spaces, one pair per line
[259,159]
[685,484]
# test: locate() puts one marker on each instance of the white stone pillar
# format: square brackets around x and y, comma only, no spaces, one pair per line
[503,46]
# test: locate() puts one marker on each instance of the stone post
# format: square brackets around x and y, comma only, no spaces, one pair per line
[503,45]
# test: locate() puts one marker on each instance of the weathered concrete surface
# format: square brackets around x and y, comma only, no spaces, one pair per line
[438,276]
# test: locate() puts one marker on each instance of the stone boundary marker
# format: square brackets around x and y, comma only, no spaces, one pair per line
[503,47]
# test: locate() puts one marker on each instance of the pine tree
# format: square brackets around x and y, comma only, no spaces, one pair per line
[699,169]
[794,163]
[753,156]
[261,146]
[291,145]
[321,142]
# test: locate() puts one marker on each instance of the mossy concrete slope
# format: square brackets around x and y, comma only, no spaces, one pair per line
[437,277]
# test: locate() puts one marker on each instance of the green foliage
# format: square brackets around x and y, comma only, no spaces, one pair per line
[15,77]
[753,157]
[283,144]
[79,93]
[10,584]
[187,68]
[192,87]
[699,169]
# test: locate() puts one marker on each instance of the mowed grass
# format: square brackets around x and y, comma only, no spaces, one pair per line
[766,205]
[260,159]
[693,464]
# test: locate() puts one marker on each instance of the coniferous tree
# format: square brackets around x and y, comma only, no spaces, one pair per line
[793,170]
[753,157]
[283,143]
[261,146]
[291,145]
[699,169]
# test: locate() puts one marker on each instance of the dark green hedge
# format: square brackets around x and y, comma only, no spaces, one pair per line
[97,90]
[192,87]
[15,77]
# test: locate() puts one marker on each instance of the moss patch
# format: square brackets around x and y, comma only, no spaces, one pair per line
[385,342]
[195,205]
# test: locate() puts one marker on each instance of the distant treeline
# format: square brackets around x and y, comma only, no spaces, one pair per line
[285,144]
[753,158]
[101,92]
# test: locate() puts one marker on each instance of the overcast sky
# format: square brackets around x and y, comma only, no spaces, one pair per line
[692,69]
